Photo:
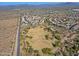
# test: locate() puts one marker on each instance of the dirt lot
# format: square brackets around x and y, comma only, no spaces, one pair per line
[8,29]
[36,39]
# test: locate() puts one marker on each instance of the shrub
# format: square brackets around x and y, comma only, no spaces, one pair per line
[46,36]
[36,53]
[30,49]
[57,37]
[54,45]
[46,50]
[28,44]
[28,36]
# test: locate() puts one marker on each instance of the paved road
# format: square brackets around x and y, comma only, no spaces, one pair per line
[17,45]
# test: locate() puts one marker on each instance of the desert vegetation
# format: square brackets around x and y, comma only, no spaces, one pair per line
[49,34]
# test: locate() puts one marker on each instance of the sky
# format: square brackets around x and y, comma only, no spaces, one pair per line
[15,3]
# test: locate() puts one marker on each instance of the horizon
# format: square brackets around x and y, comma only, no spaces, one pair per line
[17,3]
[44,4]
[29,3]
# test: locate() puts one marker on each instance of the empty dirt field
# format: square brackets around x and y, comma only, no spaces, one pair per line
[37,39]
[8,28]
